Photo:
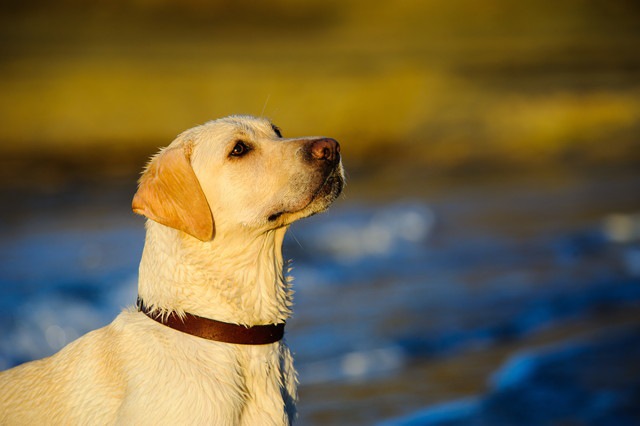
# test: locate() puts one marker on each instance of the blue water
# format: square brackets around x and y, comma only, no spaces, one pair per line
[387,290]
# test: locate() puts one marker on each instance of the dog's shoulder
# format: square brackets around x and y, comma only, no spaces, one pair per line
[84,377]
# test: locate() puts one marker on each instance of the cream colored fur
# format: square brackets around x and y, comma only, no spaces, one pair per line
[136,371]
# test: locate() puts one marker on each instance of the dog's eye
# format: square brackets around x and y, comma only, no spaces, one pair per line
[276,130]
[239,149]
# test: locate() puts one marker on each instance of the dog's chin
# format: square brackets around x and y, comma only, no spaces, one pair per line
[319,201]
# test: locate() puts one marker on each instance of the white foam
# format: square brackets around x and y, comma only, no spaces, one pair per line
[622,228]
[356,365]
[388,229]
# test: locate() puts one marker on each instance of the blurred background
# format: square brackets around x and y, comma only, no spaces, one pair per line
[483,266]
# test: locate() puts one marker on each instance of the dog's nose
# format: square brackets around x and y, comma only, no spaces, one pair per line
[325,149]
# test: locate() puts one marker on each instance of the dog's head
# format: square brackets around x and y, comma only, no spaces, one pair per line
[238,172]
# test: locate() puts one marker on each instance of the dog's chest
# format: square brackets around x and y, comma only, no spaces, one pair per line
[270,380]
[181,377]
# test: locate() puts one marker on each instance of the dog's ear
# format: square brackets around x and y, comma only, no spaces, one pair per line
[169,193]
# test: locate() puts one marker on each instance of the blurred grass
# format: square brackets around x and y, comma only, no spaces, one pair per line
[447,86]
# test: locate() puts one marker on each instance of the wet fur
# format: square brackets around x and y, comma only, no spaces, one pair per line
[216,254]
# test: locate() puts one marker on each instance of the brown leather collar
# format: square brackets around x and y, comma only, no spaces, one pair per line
[216,330]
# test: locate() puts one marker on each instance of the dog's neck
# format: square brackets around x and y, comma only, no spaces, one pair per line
[237,279]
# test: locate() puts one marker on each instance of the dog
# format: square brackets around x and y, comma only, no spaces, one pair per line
[204,345]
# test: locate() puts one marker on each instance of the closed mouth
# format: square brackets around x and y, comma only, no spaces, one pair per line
[274,216]
[331,188]
[326,193]
[322,197]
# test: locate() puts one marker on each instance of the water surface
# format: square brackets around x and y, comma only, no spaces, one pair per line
[465,294]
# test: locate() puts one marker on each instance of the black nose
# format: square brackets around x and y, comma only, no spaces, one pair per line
[325,149]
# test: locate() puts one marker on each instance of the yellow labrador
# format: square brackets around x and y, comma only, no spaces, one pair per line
[204,345]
